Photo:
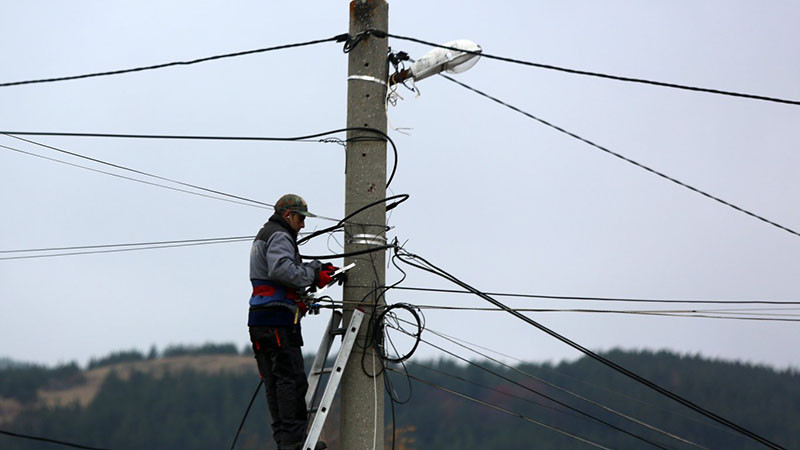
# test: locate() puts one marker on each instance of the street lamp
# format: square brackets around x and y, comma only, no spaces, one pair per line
[461,55]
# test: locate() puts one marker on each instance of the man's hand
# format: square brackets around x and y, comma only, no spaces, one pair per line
[325,276]
[339,278]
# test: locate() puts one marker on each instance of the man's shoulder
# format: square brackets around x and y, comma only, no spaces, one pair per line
[280,241]
[270,229]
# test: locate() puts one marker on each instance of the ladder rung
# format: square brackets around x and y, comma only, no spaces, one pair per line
[316,408]
[338,331]
[324,371]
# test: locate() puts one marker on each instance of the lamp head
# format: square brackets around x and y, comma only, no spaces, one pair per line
[459,59]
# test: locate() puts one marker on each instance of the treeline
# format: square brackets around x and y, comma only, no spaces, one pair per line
[760,399]
[20,381]
[170,351]
[202,411]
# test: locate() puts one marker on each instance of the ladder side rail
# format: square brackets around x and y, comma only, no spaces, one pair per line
[318,365]
[348,340]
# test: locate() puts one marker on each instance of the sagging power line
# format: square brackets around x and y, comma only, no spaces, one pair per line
[625,158]
[752,314]
[394,200]
[566,391]
[683,313]
[49,440]
[304,138]
[471,346]
[378,33]
[501,409]
[118,248]
[337,38]
[541,394]
[422,264]
[149,183]
[603,299]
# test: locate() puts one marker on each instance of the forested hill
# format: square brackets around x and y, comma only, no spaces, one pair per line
[195,399]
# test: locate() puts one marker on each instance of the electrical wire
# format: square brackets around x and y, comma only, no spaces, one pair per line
[501,409]
[139,172]
[52,441]
[668,313]
[119,250]
[425,265]
[246,412]
[500,391]
[354,253]
[534,391]
[709,316]
[703,314]
[337,38]
[508,394]
[373,336]
[130,244]
[391,404]
[636,399]
[573,394]
[375,416]
[389,384]
[471,345]
[377,336]
[418,323]
[743,311]
[341,223]
[371,340]
[482,54]
[149,183]
[624,158]
[304,138]
[191,244]
[605,299]
[110,248]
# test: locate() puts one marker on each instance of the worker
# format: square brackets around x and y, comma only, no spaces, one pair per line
[279,277]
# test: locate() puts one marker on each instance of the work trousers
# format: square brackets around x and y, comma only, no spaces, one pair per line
[280,363]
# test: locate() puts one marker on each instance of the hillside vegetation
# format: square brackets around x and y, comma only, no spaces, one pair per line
[196,399]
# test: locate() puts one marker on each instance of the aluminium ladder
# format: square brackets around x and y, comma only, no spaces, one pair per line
[318,369]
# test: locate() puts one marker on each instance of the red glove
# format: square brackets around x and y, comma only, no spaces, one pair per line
[325,278]
[329,267]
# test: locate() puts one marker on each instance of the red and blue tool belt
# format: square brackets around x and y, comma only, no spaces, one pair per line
[272,304]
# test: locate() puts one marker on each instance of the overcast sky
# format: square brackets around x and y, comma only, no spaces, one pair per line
[497,199]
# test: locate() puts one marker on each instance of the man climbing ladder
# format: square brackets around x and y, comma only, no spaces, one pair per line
[279,277]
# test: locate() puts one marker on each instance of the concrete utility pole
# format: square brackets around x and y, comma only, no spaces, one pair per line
[361,423]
